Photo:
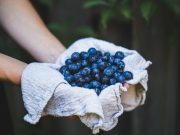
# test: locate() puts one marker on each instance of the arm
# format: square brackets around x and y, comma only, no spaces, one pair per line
[22,22]
[11,69]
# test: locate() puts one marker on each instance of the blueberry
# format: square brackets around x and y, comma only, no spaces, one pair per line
[103,86]
[85,71]
[68,62]
[78,83]
[128,75]
[81,80]
[69,78]
[95,71]
[99,54]
[112,81]
[97,77]
[117,61]
[66,73]
[78,64]
[77,76]
[75,56]
[62,69]
[121,65]
[119,71]
[111,59]
[73,84]
[108,71]
[93,58]
[84,63]
[105,58]
[92,51]
[105,79]
[72,67]
[86,85]
[107,54]
[84,55]
[97,90]
[87,78]
[119,55]
[95,84]
[121,79]
[102,65]
[116,75]
[94,65]
[114,67]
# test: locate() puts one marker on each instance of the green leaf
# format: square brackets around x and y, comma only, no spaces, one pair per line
[106,16]
[48,3]
[147,8]
[92,3]
[125,9]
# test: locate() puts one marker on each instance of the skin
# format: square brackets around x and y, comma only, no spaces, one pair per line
[23,24]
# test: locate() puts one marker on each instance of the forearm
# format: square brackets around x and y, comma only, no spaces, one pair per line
[22,22]
[11,69]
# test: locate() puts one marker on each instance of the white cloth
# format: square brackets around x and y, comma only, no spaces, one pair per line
[45,92]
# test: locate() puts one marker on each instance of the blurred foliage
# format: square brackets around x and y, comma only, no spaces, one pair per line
[114,8]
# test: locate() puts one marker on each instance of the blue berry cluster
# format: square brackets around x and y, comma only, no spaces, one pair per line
[95,70]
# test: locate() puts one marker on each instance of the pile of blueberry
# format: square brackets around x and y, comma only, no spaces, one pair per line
[95,70]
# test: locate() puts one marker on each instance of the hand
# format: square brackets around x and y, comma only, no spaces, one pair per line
[45,92]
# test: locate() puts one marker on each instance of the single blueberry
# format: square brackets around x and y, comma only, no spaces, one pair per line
[62,69]
[114,67]
[105,58]
[75,56]
[97,77]
[93,58]
[111,59]
[77,76]
[72,67]
[87,78]
[66,73]
[78,64]
[119,55]
[108,71]
[68,62]
[103,86]
[92,51]
[107,54]
[128,75]
[95,71]
[73,84]
[97,90]
[116,75]
[85,71]
[84,55]
[86,85]
[80,84]
[117,61]
[99,54]
[112,81]
[69,78]
[121,79]
[81,80]
[105,79]
[95,84]
[102,65]
[84,63]
[121,65]
[94,65]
